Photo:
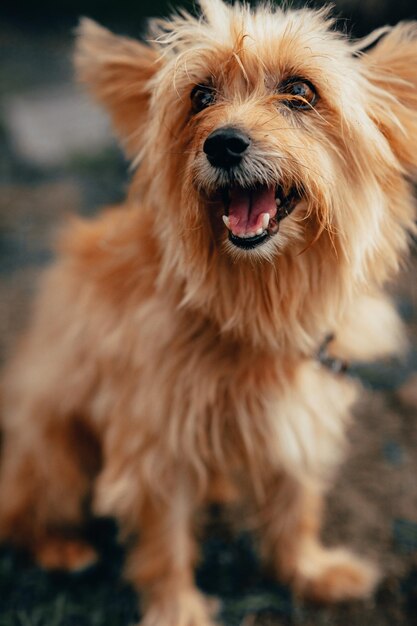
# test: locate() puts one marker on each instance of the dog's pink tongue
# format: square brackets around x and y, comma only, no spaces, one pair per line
[247,206]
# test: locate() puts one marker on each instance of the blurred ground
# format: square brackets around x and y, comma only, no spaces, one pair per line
[58,158]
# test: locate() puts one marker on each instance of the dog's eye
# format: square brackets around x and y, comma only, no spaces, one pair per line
[304,95]
[202,96]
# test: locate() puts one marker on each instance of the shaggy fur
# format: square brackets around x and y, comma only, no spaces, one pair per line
[165,367]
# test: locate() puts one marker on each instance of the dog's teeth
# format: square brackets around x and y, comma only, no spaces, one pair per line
[265,220]
[226,221]
[277,201]
[260,231]
[273,227]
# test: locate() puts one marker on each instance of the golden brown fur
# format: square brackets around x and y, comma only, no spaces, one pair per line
[190,362]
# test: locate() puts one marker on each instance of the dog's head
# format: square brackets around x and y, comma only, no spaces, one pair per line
[259,133]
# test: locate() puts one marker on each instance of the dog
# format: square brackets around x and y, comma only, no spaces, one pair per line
[171,361]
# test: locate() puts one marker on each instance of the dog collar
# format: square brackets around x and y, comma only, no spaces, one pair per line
[334,364]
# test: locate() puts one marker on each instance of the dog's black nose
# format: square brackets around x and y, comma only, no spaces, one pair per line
[226,146]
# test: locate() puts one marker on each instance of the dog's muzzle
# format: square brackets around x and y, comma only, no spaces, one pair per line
[251,213]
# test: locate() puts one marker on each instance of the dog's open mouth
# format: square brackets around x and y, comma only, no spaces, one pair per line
[252,215]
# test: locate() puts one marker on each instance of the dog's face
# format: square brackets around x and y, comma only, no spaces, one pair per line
[249,118]
[257,130]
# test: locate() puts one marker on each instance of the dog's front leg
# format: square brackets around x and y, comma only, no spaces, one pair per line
[161,565]
[162,555]
[289,517]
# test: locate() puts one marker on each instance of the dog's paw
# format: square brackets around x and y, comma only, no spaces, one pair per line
[187,608]
[335,576]
[71,555]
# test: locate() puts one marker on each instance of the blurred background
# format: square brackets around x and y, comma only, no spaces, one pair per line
[57,157]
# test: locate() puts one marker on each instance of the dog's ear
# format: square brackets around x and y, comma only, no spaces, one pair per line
[215,11]
[391,67]
[117,70]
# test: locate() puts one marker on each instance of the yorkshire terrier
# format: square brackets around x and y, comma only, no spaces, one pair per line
[172,356]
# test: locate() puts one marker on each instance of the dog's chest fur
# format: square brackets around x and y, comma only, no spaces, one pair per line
[220,401]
